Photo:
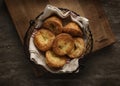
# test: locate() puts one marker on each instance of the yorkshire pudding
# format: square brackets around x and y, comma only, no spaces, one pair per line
[73,29]
[79,48]
[55,61]
[63,44]
[43,39]
[54,24]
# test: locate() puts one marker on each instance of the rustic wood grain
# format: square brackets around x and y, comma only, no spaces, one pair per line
[100,69]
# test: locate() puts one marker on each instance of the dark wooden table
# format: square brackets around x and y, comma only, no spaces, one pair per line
[101,68]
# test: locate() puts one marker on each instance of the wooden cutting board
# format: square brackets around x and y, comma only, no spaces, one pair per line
[22,11]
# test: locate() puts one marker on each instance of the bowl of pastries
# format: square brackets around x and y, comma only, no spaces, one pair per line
[57,39]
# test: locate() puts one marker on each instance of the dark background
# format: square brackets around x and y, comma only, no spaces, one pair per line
[99,69]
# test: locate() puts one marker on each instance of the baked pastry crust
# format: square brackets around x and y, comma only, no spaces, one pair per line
[54,24]
[55,61]
[43,39]
[63,44]
[79,48]
[73,29]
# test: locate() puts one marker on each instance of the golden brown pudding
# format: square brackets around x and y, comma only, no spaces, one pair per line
[79,47]
[54,61]
[43,39]
[54,24]
[73,29]
[63,44]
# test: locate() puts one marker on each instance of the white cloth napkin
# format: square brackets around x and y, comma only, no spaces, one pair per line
[38,57]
